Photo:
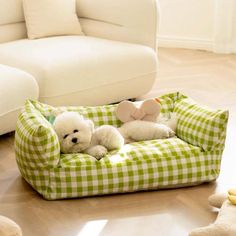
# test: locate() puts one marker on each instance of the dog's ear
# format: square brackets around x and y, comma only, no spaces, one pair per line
[91,124]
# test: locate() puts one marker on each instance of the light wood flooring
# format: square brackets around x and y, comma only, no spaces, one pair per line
[209,79]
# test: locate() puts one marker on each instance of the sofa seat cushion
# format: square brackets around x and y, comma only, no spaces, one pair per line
[69,64]
[137,166]
[15,87]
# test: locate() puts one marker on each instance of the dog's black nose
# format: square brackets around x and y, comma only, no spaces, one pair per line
[74,140]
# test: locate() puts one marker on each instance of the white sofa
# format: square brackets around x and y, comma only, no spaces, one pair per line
[115,60]
[15,87]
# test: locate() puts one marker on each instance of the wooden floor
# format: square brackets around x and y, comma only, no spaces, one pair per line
[208,78]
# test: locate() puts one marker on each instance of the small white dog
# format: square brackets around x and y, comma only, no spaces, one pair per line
[77,134]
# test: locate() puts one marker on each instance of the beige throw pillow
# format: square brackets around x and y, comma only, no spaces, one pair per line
[51,18]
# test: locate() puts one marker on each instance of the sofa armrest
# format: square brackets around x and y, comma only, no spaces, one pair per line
[133,21]
[15,87]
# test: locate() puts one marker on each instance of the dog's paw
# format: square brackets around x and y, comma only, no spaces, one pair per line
[100,152]
[171,133]
[164,131]
[97,151]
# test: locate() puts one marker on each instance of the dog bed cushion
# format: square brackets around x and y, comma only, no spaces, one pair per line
[190,158]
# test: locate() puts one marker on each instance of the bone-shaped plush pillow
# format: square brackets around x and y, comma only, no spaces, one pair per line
[149,110]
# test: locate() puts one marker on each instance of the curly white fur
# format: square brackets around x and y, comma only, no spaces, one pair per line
[77,134]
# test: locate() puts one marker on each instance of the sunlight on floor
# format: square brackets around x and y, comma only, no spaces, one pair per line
[93,228]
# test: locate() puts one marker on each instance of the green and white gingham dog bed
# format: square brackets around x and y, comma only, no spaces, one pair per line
[191,158]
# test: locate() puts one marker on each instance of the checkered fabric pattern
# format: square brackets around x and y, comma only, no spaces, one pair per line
[200,125]
[137,166]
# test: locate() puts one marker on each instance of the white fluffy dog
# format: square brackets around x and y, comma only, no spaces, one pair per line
[77,134]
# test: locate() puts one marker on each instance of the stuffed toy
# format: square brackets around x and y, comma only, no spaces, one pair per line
[9,227]
[225,223]
[149,110]
[77,134]
[143,123]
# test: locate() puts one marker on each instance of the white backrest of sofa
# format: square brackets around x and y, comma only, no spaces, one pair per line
[133,21]
[12,26]
[124,20]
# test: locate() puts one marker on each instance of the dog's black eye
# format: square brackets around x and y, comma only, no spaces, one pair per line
[76,131]
[65,136]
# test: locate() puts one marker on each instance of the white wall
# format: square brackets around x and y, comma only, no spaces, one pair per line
[198,24]
[234,29]
[234,32]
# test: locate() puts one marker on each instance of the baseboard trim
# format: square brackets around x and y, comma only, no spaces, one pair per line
[189,43]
